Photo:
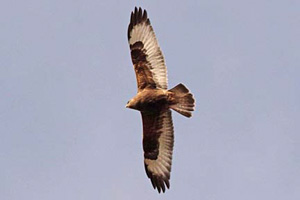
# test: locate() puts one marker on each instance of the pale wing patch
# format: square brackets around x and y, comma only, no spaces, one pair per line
[159,170]
[144,33]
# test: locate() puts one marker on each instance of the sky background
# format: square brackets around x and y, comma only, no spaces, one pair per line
[66,75]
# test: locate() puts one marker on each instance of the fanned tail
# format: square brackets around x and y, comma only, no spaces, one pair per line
[184,102]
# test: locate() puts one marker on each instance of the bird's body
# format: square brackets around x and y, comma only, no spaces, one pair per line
[154,100]
[150,100]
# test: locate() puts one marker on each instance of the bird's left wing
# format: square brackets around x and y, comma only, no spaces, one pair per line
[146,55]
[158,141]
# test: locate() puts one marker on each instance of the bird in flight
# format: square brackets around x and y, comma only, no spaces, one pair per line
[154,100]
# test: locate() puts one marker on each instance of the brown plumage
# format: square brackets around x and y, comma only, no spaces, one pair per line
[153,99]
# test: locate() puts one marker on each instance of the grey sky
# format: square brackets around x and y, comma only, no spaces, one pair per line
[66,75]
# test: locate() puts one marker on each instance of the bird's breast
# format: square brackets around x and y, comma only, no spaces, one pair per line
[152,100]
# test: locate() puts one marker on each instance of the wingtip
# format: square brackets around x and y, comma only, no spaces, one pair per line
[145,16]
[160,184]
[138,15]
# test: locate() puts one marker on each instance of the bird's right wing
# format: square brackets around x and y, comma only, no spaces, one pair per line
[158,141]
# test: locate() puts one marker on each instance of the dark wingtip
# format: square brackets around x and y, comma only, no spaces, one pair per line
[158,183]
[167,184]
[137,16]
[135,9]
[145,15]
[140,13]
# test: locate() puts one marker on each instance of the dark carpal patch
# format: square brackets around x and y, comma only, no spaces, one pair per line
[152,132]
[137,45]
[138,53]
[151,146]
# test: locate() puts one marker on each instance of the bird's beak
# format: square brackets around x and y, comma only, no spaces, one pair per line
[127,105]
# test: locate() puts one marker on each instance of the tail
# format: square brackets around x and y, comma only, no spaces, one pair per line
[183,102]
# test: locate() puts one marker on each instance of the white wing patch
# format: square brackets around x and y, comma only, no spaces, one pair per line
[144,32]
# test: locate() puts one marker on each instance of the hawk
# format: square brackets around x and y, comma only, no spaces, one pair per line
[154,100]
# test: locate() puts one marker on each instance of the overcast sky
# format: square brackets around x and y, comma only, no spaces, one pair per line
[66,75]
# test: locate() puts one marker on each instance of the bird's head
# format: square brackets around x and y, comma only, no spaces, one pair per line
[133,103]
[130,104]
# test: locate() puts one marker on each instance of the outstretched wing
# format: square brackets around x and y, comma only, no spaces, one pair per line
[146,55]
[158,141]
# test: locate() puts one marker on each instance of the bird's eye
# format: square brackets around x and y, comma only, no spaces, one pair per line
[127,102]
